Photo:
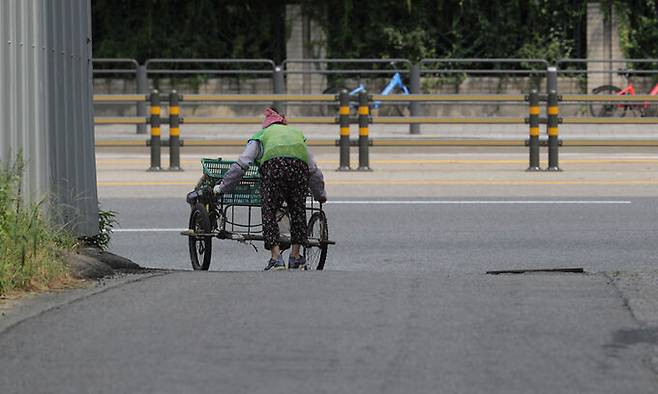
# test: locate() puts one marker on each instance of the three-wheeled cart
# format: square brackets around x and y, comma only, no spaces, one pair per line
[236,216]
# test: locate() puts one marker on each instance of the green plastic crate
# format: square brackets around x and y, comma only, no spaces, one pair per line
[217,168]
[246,192]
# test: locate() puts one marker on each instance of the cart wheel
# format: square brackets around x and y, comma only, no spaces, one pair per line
[317,229]
[200,247]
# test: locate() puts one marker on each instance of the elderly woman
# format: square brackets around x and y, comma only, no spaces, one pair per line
[287,171]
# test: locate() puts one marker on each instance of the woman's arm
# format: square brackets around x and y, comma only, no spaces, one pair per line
[238,169]
[316,179]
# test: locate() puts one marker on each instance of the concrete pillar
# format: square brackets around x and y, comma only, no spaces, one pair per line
[603,44]
[294,47]
[306,40]
[47,109]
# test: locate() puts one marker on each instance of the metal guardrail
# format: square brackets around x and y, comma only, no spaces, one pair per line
[363,118]
[374,67]
[610,62]
[611,98]
[264,98]
[128,61]
[347,71]
[448,70]
[482,98]
[258,98]
[152,66]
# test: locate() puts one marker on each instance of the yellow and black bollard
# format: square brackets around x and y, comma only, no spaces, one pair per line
[155,131]
[533,121]
[364,120]
[552,125]
[344,123]
[174,132]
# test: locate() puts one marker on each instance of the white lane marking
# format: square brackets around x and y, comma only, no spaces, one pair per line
[446,202]
[413,202]
[148,230]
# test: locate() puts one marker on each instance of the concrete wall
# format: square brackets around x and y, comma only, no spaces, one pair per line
[46,104]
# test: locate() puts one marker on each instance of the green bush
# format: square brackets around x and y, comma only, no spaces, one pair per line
[106,222]
[30,246]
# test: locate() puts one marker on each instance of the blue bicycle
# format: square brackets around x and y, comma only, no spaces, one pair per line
[395,84]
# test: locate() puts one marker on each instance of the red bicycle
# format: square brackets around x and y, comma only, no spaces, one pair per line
[603,109]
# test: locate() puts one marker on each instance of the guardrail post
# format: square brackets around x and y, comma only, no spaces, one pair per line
[174,132]
[279,86]
[142,88]
[552,126]
[551,79]
[414,106]
[344,124]
[155,131]
[533,121]
[364,120]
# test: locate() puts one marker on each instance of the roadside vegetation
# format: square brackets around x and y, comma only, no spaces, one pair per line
[32,248]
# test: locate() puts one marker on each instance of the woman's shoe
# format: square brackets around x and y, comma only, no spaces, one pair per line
[297,264]
[275,265]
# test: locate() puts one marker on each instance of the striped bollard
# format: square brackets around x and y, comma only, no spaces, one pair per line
[155,131]
[174,132]
[364,120]
[552,125]
[533,121]
[344,123]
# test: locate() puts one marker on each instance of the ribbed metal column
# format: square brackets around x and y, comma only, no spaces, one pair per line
[46,104]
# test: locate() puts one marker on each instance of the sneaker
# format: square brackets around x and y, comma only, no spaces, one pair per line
[297,264]
[275,265]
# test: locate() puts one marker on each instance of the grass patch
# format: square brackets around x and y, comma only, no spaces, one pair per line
[31,246]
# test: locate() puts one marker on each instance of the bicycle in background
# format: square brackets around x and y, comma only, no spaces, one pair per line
[395,84]
[603,109]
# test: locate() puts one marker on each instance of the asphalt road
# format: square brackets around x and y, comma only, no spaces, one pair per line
[404,304]
[451,235]
[335,332]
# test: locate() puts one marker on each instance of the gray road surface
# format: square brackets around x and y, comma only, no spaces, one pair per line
[448,235]
[335,332]
[404,305]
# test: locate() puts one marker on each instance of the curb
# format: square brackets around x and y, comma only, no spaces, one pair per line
[92,263]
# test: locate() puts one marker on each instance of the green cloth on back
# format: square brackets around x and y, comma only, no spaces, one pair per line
[280,140]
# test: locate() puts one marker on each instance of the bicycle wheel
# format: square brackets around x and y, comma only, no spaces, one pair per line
[603,109]
[200,247]
[317,229]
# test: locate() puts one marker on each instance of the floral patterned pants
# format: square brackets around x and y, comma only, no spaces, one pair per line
[284,179]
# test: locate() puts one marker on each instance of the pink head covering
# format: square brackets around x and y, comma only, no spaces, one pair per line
[271,117]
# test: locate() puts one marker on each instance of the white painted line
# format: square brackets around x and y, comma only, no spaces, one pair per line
[148,230]
[416,202]
[465,202]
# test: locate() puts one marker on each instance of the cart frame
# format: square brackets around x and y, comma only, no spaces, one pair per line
[214,216]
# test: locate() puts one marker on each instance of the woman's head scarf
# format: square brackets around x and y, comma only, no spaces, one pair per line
[272,117]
